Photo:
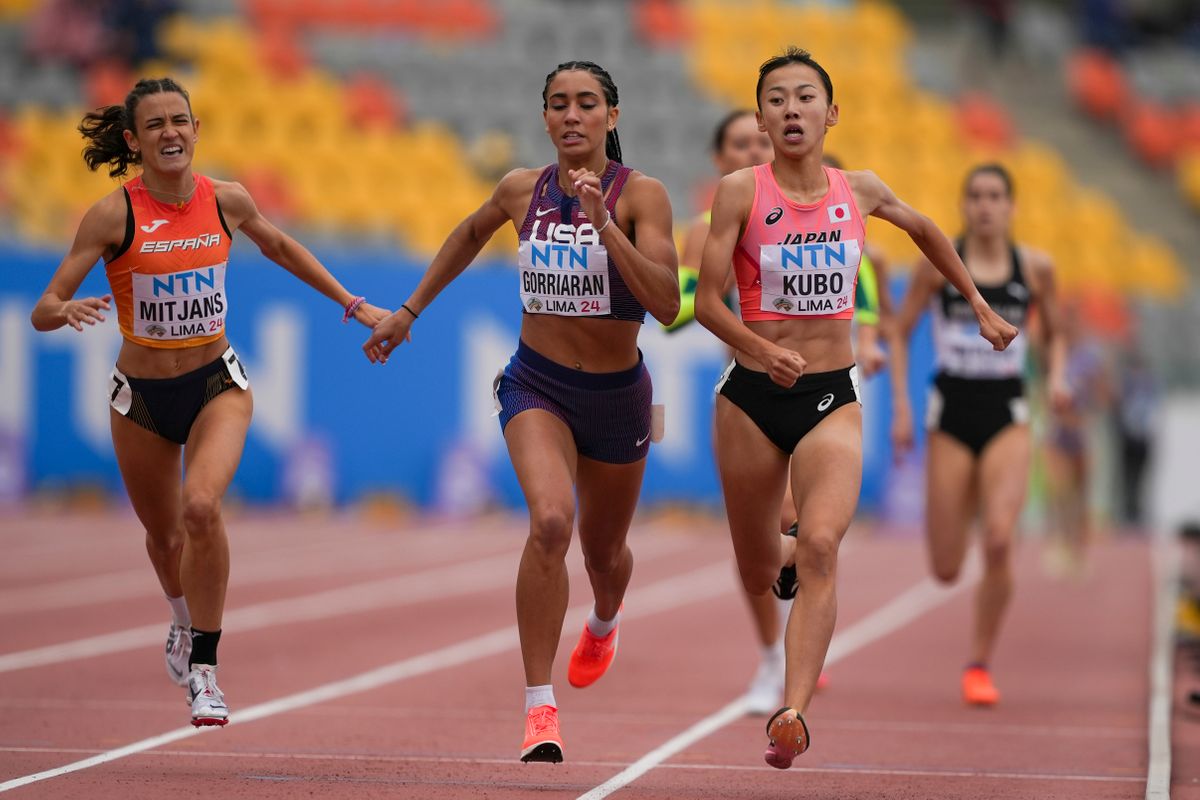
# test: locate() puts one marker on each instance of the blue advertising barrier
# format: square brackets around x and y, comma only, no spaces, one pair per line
[328,425]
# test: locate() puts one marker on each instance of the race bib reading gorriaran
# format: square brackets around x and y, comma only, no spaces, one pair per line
[809,279]
[566,279]
[179,305]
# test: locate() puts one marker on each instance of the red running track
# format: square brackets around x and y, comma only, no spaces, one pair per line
[420,615]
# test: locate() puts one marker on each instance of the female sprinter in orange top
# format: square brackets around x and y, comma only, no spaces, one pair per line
[596,253]
[793,232]
[178,388]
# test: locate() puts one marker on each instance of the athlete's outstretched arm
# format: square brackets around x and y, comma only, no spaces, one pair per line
[925,281]
[731,209]
[1045,293]
[242,214]
[455,254]
[876,199]
[651,266]
[97,237]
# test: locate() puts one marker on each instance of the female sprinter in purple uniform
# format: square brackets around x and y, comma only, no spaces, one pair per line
[793,233]
[596,253]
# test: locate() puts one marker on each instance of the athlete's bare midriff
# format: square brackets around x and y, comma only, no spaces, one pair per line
[139,361]
[592,345]
[823,343]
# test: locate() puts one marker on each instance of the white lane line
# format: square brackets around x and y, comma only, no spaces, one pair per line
[909,605]
[1165,561]
[508,762]
[664,595]
[492,572]
[261,566]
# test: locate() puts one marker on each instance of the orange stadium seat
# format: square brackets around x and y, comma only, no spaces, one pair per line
[984,122]
[661,23]
[1152,131]
[1097,83]
[1189,178]
[1187,120]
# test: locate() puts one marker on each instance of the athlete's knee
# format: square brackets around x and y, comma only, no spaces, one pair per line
[946,571]
[996,553]
[201,512]
[605,559]
[817,551]
[165,541]
[550,529]
[758,578]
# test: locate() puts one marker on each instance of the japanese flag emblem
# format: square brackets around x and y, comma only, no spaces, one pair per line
[839,213]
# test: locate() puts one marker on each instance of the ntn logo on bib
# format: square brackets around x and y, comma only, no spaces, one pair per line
[809,279]
[180,305]
[566,279]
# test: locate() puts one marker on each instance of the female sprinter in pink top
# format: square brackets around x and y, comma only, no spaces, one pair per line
[596,253]
[180,397]
[793,231]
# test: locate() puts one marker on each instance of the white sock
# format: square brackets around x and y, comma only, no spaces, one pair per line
[600,627]
[179,612]
[539,696]
[774,654]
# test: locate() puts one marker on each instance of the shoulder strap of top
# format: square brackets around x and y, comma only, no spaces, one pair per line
[127,242]
[1018,274]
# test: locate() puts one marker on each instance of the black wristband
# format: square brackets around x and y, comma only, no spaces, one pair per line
[409,310]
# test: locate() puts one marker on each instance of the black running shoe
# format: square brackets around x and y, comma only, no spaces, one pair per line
[785,585]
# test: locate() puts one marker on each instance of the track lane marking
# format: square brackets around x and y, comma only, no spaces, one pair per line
[901,610]
[666,594]
[488,573]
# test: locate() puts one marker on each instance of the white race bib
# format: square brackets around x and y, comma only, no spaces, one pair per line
[180,305]
[961,351]
[809,279]
[566,279]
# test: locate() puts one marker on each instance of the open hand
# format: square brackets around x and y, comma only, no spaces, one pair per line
[86,311]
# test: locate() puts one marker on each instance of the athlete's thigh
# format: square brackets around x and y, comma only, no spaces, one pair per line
[215,443]
[753,476]
[1004,481]
[608,496]
[152,470]
[542,451]
[827,472]
[949,499]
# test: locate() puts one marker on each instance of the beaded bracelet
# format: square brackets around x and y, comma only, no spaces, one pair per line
[351,307]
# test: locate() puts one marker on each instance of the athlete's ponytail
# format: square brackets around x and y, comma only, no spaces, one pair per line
[612,141]
[104,129]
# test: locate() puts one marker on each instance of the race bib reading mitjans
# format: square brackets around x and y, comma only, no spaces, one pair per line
[809,279]
[566,279]
[179,305]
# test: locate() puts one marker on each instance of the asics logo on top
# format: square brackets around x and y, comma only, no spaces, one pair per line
[774,216]
[642,440]
[825,403]
[1018,291]
[153,226]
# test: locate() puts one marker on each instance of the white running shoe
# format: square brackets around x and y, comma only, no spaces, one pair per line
[766,689]
[208,703]
[179,650]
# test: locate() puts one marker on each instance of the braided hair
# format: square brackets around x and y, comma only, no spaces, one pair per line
[612,142]
[104,128]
